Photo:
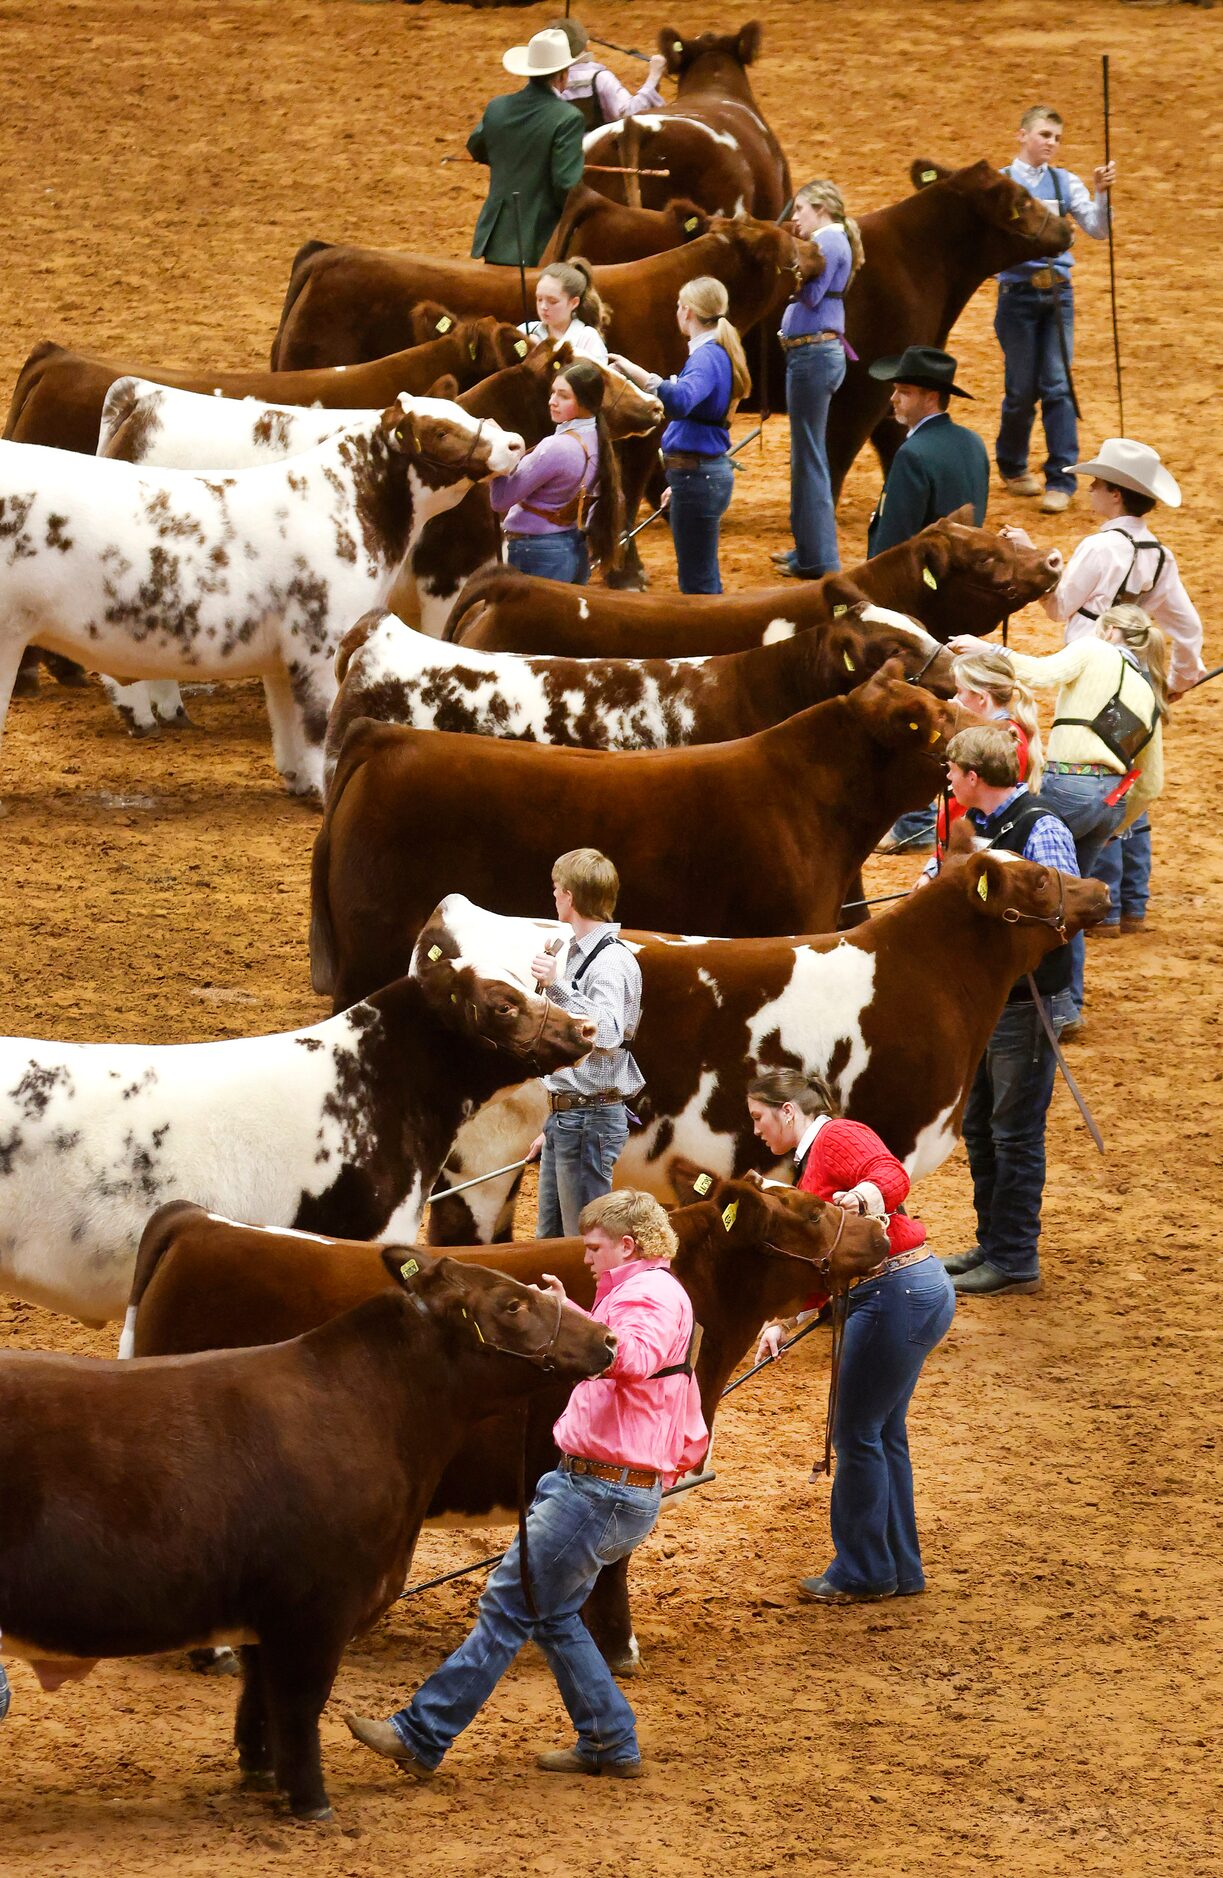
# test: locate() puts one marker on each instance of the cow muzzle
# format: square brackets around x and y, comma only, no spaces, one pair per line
[505,450]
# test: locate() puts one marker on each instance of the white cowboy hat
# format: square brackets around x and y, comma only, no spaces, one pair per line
[543,54]
[1132,465]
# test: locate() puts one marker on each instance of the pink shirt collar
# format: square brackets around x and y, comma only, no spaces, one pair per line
[619,1273]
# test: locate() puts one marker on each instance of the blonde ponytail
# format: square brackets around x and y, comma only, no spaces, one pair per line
[709,300]
[1139,634]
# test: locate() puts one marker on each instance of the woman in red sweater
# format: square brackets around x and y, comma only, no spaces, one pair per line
[895,1320]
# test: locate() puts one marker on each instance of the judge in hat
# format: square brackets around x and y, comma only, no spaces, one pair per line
[940,466]
[531,141]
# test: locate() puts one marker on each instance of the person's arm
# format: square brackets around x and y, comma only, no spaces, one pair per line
[701,377]
[618,101]
[607,996]
[646,1330]
[1055,668]
[568,159]
[1090,212]
[477,148]
[863,1167]
[1179,618]
[1092,575]
[522,481]
[906,496]
[1051,844]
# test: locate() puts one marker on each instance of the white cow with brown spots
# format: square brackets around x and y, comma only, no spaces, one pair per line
[165,574]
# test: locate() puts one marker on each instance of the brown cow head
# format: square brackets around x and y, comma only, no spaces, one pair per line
[763,262]
[487,1314]
[741,48]
[901,717]
[857,644]
[429,320]
[1018,892]
[491,345]
[758,1219]
[690,219]
[501,1015]
[444,443]
[969,573]
[1015,225]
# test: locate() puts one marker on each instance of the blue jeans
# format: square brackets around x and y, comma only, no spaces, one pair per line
[699,500]
[5,1693]
[916,826]
[894,1322]
[1004,1133]
[1124,866]
[560,555]
[1026,325]
[581,1148]
[1080,801]
[575,1527]
[813,373]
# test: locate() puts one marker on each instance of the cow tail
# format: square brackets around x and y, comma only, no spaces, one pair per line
[28,379]
[298,277]
[155,1241]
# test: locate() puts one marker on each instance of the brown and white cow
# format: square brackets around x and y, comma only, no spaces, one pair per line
[203,1283]
[895,1014]
[270,1498]
[59,394]
[942,578]
[345,304]
[762,835]
[713,141]
[605,232]
[397,676]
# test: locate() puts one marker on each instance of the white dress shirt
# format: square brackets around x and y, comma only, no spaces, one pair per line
[1101,564]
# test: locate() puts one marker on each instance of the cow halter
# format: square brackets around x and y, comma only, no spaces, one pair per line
[542,1358]
[822,1264]
[438,462]
[1057,920]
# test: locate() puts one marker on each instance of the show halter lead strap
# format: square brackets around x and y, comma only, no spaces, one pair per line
[1062,1064]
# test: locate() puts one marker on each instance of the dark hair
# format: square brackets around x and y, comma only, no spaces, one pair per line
[1131,501]
[812,1094]
[606,525]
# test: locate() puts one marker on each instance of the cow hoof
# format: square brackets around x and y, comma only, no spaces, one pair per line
[179,721]
[313,1815]
[256,1780]
[627,580]
[219,1661]
[625,1662]
[67,672]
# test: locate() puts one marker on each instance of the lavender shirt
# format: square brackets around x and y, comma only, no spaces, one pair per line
[814,308]
[549,476]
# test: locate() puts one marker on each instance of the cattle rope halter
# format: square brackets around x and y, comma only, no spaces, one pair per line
[542,1358]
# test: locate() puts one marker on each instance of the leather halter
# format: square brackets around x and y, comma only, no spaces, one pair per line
[917,677]
[542,1358]
[1057,920]
[823,1264]
[438,462]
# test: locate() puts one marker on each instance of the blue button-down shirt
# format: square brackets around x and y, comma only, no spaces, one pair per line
[698,399]
[610,993]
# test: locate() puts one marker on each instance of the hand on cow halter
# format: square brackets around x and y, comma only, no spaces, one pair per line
[1019,536]
[551,1286]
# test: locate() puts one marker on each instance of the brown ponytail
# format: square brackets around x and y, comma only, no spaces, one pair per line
[812,1095]
[607,517]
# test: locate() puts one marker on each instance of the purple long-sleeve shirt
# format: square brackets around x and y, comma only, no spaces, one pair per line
[818,307]
[548,476]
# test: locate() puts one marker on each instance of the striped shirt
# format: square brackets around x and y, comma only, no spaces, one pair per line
[609,994]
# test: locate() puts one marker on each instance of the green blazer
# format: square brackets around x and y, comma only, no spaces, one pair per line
[935,470]
[532,141]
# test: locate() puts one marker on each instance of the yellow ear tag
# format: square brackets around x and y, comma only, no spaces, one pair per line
[729,1215]
[849,664]
[691,223]
[929,176]
[838,610]
[702,1183]
[409,1268]
[928,577]
[521,348]
[983,888]
[454,996]
[434,954]
[677,46]
[472,350]
[445,323]
[913,726]
[934,735]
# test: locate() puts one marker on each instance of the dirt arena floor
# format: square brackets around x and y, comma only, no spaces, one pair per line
[1053,1703]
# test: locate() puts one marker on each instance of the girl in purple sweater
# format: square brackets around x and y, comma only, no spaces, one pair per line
[564,498]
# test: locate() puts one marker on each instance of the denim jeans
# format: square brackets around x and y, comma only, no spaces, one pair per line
[560,555]
[1026,325]
[1004,1133]
[894,1322]
[916,826]
[5,1693]
[575,1527]
[1079,800]
[581,1148]
[813,373]
[1124,866]
[699,500]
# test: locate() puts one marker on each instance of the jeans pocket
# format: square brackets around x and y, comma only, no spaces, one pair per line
[627,1527]
[929,1314]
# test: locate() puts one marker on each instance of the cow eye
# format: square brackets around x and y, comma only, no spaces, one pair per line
[514,1306]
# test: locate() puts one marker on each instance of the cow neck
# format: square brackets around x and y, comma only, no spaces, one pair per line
[938,924]
[893,579]
[382,498]
[866,813]
[716,75]
[733,1293]
[516,398]
[938,224]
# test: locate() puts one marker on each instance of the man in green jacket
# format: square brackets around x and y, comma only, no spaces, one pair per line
[939,466]
[532,142]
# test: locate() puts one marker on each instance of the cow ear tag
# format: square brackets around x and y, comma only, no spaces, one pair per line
[838,610]
[729,1215]
[409,1268]
[677,46]
[702,1183]
[691,223]
[454,997]
[849,664]
[521,348]
[434,954]
[472,349]
[928,577]
[913,726]
[444,325]
[929,176]
[983,888]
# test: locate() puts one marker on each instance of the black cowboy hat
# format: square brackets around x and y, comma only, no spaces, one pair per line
[920,365]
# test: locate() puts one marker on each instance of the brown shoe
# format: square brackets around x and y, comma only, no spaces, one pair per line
[1133,922]
[569,1761]
[382,1738]
[1025,485]
[1107,929]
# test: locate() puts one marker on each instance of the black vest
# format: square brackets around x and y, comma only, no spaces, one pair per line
[1053,973]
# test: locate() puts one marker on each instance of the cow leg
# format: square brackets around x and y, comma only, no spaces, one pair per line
[251,1724]
[10,664]
[297,1674]
[296,714]
[25,685]
[638,458]
[133,705]
[66,672]
[609,1620]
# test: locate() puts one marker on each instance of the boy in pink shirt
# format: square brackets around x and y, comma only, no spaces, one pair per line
[620,1436]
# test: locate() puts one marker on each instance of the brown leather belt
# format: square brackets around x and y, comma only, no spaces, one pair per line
[558,1104]
[1041,279]
[902,1259]
[689,459]
[607,1470]
[804,339]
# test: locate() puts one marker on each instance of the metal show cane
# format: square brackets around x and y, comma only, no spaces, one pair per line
[522,266]
[1112,259]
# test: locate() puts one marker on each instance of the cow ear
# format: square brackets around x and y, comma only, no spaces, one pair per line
[963,517]
[845,656]
[985,885]
[691,1182]
[447,386]
[671,45]
[744,1210]
[747,45]
[924,170]
[934,547]
[410,1266]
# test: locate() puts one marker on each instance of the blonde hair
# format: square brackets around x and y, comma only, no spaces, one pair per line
[1034,114]
[632,1215]
[1138,633]
[592,880]
[709,300]
[822,194]
[990,751]
[990,671]
[576,279]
